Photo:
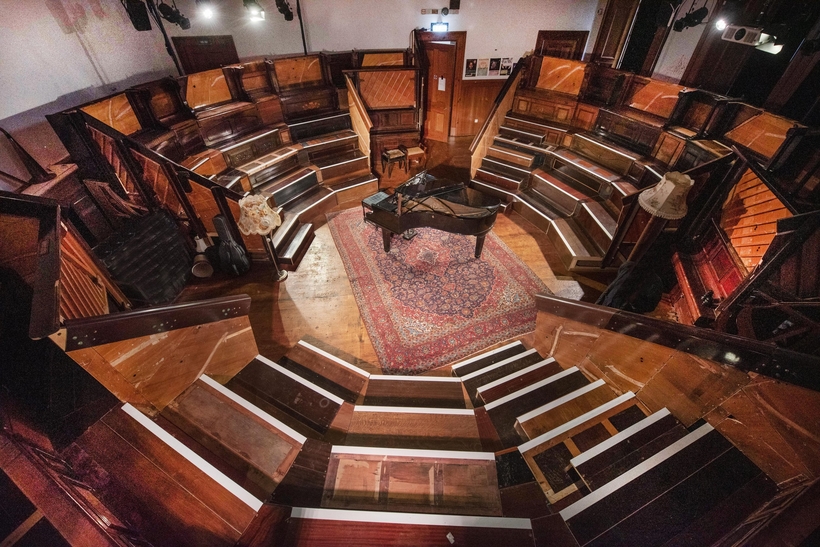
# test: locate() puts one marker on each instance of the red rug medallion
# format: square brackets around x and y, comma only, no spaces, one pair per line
[429,301]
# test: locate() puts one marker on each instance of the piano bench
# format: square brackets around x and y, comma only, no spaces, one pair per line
[415,155]
[391,156]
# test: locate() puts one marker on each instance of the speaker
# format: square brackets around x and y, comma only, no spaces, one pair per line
[138,13]
[455,4]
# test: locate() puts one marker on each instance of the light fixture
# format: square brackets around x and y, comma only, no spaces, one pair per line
[284,9]
[439,27]
[172,15]
[206,9]
[255,11]
[721,24]
[768,44]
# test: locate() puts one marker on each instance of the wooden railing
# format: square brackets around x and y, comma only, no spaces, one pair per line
[741,353]
[359,118]
[499,109]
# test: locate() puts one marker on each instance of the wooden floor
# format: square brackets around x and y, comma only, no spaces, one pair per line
[317,300]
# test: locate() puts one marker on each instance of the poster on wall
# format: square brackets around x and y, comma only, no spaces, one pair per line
[506,66]
[469,72]
[483,66]
[495,66]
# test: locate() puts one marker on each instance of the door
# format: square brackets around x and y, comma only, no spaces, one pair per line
[614,30]
[441,64]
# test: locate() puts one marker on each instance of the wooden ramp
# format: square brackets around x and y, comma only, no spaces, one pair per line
[425,481]
[344,528]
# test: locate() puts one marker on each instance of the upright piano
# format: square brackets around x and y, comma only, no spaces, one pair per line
[427,201]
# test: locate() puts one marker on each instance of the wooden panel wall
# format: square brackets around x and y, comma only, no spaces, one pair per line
[749,218]
[562,75]
[800,274]
[82,293]
[115,112]
[298,72]
[655,97]
[773,423]
[473,105]
[154,369]
[358,118]
[492,128]
[393,58]
[207,88]
[109,149]
[155,177]
[206,209]
[393,89]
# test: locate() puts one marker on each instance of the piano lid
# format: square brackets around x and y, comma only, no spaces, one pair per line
[426,193]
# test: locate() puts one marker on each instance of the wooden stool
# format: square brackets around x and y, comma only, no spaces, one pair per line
[391,156]
[414,155]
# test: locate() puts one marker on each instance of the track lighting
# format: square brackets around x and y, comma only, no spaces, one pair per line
[284,9]
[255,11]
[172,15]
[206,9]
[691,19]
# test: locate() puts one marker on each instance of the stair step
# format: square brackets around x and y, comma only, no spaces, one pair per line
[468,366]
[318,200]
[251,146]
[522,159]
[608,155]
[507,197]
[304,485]
[682,483]
[561,195]
[152,479]
[313,129]
[291,393]
[560,411]
[346,163]
[349,528]
[353,189]
[250,441]
[270,165]
[598,224]
[527,136]
[334,374]
[521,145]
[518,380]
[424,391]
[329,143]
[422,481]
[504,411]
[284,232]
[537,209]
[499,369]
[504,181]
[584,171]
[414,427]
[297,246]
[291,187]
[576,250]
[628,448]
[502,167]
[538,127]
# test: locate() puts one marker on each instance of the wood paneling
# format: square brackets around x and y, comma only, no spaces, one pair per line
[19,249]
[561,75]
[391,89]
[115,112]
[199,53]
[473,105]
[393,58]
[407,430]
[655,97]
[764,133]
[565,44]
[298,72]
[207,88]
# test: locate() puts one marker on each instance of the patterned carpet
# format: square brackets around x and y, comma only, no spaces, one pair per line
[429,302]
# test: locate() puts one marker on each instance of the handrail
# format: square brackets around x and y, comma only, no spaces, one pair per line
[360,119]
[104,329]
[742,353]
[519,67]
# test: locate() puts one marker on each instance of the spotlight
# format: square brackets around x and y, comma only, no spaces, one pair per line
[255,11]
[284,9]
[206,9]
[172,15]
[721,24]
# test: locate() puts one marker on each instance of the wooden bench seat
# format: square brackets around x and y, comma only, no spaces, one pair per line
[583,171]
[260,447]
[290,392]
[504,411]
[414,427]
[423,481]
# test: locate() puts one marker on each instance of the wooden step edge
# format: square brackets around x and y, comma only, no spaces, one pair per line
[196,460]
[532,387]
[301,380]
[609,230]
[561,186]
[583,252]
[413,453]
[333,358]
[559,154]
[415,410]
[514,375]
[500,176]
[502,164]
[484,355]
[536,136]
[508,152]
[619,437]
[301,238]
[612,486]
[508,360]
[560,401]
[245,139]
[400,378]
[410,519]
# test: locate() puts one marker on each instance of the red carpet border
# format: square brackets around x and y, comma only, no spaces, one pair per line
[429,301]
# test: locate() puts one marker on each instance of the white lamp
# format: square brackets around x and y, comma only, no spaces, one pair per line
[667,199]
[256,217]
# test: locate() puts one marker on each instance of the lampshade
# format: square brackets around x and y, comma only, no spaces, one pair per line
[667,199]
[256,217]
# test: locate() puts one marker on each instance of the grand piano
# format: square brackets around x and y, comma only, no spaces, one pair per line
[427,201]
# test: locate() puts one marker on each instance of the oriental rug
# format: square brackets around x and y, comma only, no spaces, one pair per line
[429,301]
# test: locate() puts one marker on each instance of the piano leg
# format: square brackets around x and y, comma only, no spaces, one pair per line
[479,245]
[386,236]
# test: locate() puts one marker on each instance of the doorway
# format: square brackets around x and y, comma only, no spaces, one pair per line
[442,62]
[615,28]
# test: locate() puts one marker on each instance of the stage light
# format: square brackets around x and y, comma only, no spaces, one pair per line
[172,15]
[206,9]
[439,27]
[721,24]
[255,11]
[691,19]
[284,9]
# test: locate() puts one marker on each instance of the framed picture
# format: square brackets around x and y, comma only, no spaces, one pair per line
[495,66]
[483,66]
[470,70]
[506,66]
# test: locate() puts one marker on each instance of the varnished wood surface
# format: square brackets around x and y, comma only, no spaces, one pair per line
[116,112]
[403,430]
